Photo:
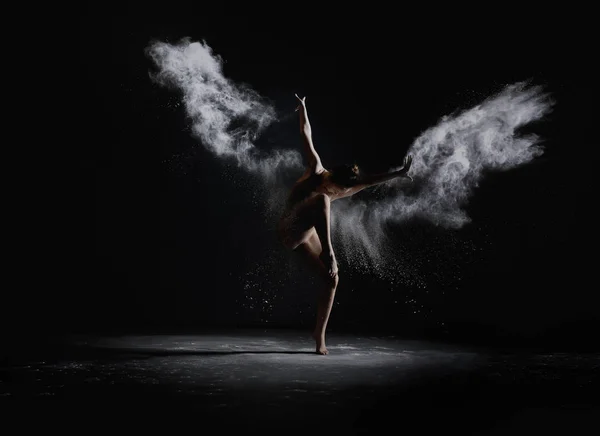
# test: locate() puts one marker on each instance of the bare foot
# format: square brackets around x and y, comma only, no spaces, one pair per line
[321,349]
[330,262]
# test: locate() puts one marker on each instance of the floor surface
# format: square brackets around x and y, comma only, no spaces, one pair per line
[266,381]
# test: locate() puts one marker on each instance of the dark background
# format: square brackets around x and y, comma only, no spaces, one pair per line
[153,247]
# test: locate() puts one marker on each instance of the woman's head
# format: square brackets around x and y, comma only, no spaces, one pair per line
[345,175]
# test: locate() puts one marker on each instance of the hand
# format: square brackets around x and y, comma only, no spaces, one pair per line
[406,166]
[302,102]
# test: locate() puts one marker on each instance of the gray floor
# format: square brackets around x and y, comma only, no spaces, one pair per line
[272,379]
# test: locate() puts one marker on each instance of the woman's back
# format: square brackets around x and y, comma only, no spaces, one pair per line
[305,188]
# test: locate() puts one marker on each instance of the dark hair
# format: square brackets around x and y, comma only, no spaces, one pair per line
[345,175]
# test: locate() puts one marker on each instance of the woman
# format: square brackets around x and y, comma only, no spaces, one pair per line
[305,224]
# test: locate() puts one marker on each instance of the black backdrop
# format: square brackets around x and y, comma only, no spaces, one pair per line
[153,247]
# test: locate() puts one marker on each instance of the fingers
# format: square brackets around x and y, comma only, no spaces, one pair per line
[406,166]
[301,103]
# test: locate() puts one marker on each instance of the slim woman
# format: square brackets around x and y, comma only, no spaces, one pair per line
[305,224]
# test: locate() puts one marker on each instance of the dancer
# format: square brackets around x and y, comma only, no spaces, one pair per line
[305,224]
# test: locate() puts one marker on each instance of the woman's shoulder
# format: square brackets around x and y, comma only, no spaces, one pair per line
[312,175]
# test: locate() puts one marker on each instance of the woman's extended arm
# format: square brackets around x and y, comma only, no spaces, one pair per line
[375,179]
[314,161]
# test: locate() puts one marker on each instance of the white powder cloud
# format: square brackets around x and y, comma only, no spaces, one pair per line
[449,159]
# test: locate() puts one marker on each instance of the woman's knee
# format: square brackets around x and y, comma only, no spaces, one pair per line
[332,281]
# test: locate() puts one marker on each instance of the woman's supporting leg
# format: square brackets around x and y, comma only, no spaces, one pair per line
[311,250]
